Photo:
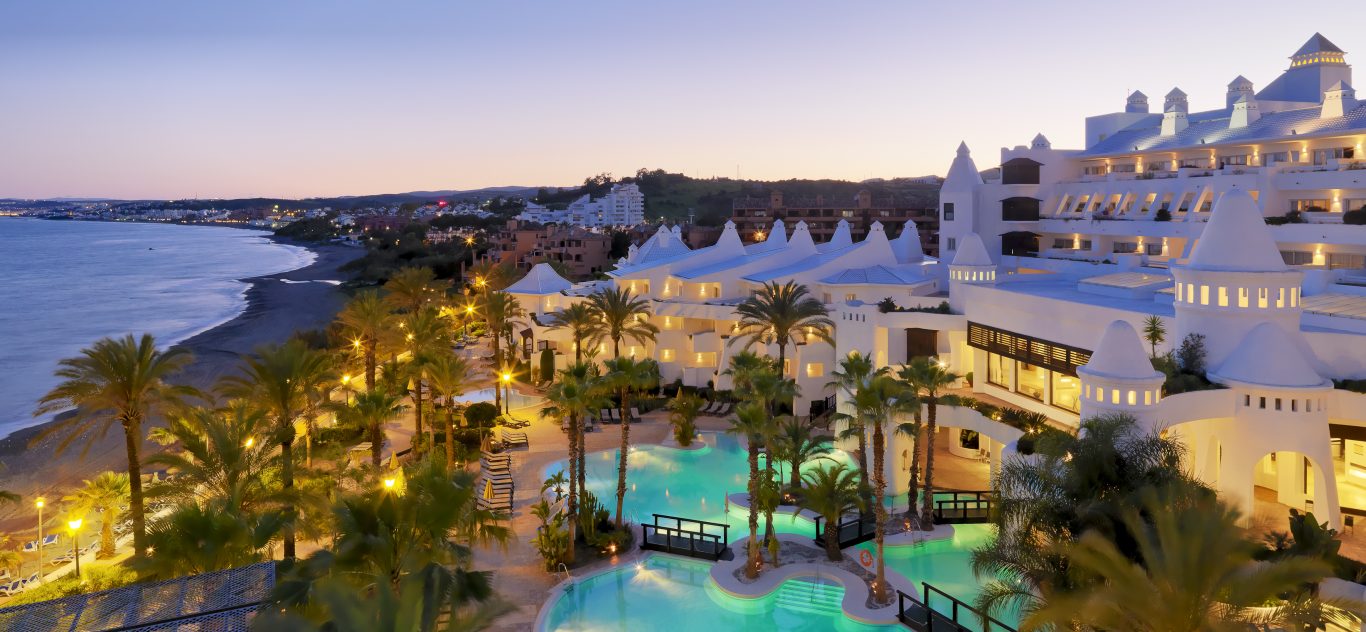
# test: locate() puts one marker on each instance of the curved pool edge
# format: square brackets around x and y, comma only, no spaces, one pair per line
[855,598]
[557,591]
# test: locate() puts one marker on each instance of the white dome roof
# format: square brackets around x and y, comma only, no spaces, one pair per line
[1120,355]
[1268,356]
[972,252]
[542,279]
[1236,238]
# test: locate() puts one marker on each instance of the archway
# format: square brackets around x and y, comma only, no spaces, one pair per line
[1284,480]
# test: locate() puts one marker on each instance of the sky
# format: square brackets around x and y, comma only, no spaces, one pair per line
[152,99]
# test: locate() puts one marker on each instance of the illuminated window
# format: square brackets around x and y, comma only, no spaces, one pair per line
[1294,296]
[849,298]
[815,369]
[1066,392]
[1147,398]
[1000,370]
[1133,397]
[1179,294]
[1280,297]
[1114,396]
[1030,380]
[1242,297]
[707,358]
[1204,295]
[1190,293]
[1223,296]
[787,366]
[1263,297]
[666,355]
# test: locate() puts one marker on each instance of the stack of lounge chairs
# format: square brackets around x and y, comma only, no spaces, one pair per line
[17,586]
[515,440]
[717,409]
[512,422]
[495,487]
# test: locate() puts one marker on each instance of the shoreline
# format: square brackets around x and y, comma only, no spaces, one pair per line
[273,312]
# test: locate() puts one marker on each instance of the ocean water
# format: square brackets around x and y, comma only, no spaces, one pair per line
[67,284]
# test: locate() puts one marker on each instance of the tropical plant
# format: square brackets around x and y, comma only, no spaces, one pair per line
[777,313]
[414,287]
[448,374]
[1190,356]
[627,376]
[766,501]
[489,276]
[502,313]
[213,536]
[622,314]
[370,411]
[831,492]
[555,482]
[10,558]
[120,381]
[583,324]
[927,380]
[552,537]
[683,412]
[366,319]
[1155,332]
[749,422]
[277,380]
[1195,565]
[1071,485]
[767,388]
[573,397]
[880,400]
[105,494]
[427,335]
[796,443]
[224,456]
[854,372]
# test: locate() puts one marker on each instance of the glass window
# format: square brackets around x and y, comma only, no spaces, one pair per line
[1000,370]
[815,369]
[1066,392]
[666,355]
[1031,380]
[948,211]
[705,358]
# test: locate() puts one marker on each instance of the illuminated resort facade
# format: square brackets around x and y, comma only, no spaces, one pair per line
[1052,268]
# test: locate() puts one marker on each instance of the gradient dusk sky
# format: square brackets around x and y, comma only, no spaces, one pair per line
[169,99]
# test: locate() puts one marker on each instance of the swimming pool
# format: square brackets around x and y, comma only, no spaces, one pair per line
[668,593]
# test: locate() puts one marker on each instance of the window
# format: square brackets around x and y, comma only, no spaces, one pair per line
[1000,370]
[706,358]
[666,355]
[1094,170]
[1322,156]
[1223,296]
[1066,393]
[953,244]
[1311,205]
[815,369]
[787,366]
[1278,403]
[1263,296]
[1204,295]
[948,211]
[1261,403]
[849,298]
[1031,380]
[1242,297]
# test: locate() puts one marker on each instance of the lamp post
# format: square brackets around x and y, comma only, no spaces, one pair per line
[75,526]
[507,392]
[465,322]
[346,386]
[39,502]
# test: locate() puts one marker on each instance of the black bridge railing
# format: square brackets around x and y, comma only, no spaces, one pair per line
[685,536]
[963,507]
[851,530]
[938,611]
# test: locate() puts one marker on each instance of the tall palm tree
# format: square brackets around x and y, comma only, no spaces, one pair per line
[277,379]
[832,491]
[488,276]
[627,376]
[683,412]
[427,335]
[1197,573]
[572,397]
[749,422]
[767,388]
[584,325]
[370,411]
[215,536]
[928,379]
[854,373]
[105,494]
[502,314]
[366,319]
[123,381]
[413,288]
[10,558]
[224,456]
[797,442]
[448,375]
[622,314]
[879,401]
[778,313]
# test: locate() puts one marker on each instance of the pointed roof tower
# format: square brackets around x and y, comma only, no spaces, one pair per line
[963,173]
[1040,142]
[906,246]
[542,279]
[1236,238]
[1120,355]
[972,252]
[1317,44]
[842,237]
[1269,356]
[1317,65]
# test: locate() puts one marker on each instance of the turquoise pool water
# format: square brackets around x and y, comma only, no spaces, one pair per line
[668,593]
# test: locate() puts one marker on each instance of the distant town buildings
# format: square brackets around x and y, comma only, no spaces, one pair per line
[523,244]
[752,216]
[623,206]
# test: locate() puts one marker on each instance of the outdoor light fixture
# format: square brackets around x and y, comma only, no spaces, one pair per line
[389,483]
[75,526]
[251,441]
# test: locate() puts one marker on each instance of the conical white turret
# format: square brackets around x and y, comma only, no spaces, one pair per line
[1120,377]
[963,174]
[971,265]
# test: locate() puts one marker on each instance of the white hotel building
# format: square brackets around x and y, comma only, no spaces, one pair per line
[624,205]
[1051,269]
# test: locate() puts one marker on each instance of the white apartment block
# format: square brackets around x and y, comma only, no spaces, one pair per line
[624,205]
[1052,269]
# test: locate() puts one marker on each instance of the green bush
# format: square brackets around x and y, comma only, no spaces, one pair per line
[480,415]
[1162,215]
[96,579]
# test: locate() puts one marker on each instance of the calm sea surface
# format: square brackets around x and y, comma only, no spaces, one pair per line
[65,284]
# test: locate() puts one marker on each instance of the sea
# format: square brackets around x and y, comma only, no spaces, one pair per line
[65,284]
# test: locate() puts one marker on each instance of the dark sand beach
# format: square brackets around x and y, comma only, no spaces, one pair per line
[275,310]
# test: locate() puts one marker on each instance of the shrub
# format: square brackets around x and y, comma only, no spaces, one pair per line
[547,364]
[886,305]
[1162,215]
[95,579]
[480,415]
[1190,356]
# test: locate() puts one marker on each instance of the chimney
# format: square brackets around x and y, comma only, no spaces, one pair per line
[1176,100]
[1338,100]
[1136,103]
[1173,121]
[1237,89]
[1245,112]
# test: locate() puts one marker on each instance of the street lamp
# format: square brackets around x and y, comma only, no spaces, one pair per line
[75,526]
[465,322]
[39,502]
[507,390]
[389,483]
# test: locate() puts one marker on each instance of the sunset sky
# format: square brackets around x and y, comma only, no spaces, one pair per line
[169,99]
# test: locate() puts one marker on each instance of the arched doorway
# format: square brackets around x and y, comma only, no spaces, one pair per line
[1285,480]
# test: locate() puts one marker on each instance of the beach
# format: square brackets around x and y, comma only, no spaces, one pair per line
[277,305]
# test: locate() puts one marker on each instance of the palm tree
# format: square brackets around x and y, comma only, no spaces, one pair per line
[750,420]
[412,288]
[622,315]
[448,375]
[744,366]
[777,313]
[224,457]
[122,381]
[683,412]
[626,376]
[1197,573]
[767,388]
[370,411]
[572,397]
[8,497]
[488,276]
[10,558]
[584,325]
[277,379]
[1155,332]
[878,402]
[427,335]
[215,536]
[502,313]
[366,319]
[832,491]
[854,373]
[927,380]
[797,443]
[105,494]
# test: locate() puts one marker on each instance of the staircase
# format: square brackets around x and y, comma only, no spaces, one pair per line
[799,595]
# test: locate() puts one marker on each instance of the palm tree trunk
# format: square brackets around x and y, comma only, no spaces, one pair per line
[880,512]
[572,508]
[287,475]
[913,494]
[832,541]
[132,435]
[450,433]
[622,461]
[107,534]
[863,489]
[497,359]
[796,469]
[752,549]
[308,442]
[417,417]
[927,505]
[370,363]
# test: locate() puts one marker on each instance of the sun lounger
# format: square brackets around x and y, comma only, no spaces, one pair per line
[495,458]
[635,414]
[723,410]
[12,588]
[711,406]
